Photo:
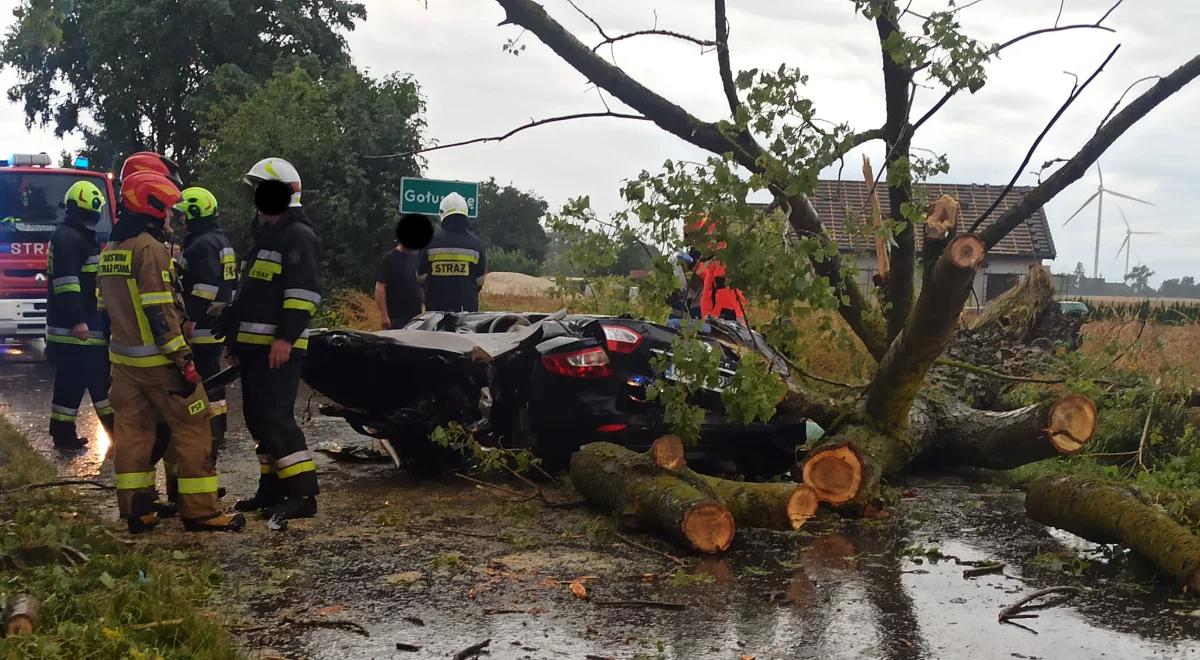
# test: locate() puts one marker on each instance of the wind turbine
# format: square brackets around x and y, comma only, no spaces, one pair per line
[1127,246]
[1099,197]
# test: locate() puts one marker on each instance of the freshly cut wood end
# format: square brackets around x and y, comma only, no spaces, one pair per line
[941,217]
[709,527]
[966,251]
[21,616]
[667,452]
[802,505]
[834,473]
[1072,423]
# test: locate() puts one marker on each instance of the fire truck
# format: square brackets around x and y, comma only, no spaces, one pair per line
[31,194]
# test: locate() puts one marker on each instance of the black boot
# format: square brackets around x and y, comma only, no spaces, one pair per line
[142,517]
[217,522]
[289,508]
[63,434]
[260,502]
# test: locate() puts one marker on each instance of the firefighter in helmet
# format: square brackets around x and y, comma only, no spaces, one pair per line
[153,372]
[73,322]
[208,273]
[277,295]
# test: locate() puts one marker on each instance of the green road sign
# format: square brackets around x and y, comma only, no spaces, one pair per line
[424,195]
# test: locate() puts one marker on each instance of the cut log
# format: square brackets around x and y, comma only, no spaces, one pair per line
[766,505]
[1005,440]
[966,251]
[835,473]
[1107,512]
[631,485]
[21,616]
[667,452]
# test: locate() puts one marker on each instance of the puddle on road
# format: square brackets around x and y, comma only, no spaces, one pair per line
[872,589]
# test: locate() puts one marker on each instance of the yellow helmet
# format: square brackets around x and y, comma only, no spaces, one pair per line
[197,203]
[86,196]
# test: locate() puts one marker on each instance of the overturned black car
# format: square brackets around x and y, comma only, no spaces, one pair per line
[545,382]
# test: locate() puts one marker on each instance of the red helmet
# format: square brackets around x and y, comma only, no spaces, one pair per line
[150,193]
[148,161]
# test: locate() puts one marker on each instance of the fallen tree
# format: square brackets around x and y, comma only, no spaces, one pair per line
[1107,512]
[770,131]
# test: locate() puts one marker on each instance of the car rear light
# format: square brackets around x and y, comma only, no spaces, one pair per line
[611,428]
[620,339]
[588,363]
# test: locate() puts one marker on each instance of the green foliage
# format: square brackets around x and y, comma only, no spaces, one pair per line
[322,122]
[754,391]
[128,73]
[1176,313]
[500,260]
[102,605]
[693,366]
[1138,279]
[486,459]
[510,219]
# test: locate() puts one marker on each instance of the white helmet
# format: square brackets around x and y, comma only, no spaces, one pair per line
[453,204]
[275,169]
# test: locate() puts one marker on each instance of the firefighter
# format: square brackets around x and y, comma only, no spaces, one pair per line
[153,373]
[148,161]
[452,267]
[277,295]
[717,298]
[208,273]
[73,322]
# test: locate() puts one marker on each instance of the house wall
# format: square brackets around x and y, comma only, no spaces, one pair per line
[995,266]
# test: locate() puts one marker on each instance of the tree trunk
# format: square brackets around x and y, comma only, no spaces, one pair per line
[631,485]
[846,469]
[1106,512]
[1005,440]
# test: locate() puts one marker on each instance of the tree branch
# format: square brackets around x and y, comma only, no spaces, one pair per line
[1091,151]
[722,31]
[1075,93]
[523,127]
[662,33]
[665,114]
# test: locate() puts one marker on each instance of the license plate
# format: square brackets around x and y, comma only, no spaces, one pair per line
[672,374]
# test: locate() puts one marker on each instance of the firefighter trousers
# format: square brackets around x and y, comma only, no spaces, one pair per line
[208,362]
[268,405]
[140,397]
[78,368]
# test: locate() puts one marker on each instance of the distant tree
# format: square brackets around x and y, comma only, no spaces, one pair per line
[1185,287]
[1138,280]
[321,124]
[127,73]
[500,260]
[1080,275]
[511,219]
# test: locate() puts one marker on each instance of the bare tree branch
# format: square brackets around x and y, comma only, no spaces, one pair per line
[661,33]
[952,92]
[1091,151]
[1122,99]
[1075,93]
[722,25]
[523,127]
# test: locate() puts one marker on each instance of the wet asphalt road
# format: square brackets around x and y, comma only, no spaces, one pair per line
[469,567]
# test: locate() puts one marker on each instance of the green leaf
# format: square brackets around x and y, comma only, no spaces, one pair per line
[107,580]
[179,555]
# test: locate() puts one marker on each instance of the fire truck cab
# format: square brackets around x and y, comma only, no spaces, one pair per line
[31,194]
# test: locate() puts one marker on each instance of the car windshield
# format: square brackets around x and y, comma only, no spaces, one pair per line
[30,203]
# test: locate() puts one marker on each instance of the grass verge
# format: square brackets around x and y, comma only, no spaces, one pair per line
[101,598]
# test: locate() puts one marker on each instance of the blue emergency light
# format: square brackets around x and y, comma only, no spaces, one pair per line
[82,163]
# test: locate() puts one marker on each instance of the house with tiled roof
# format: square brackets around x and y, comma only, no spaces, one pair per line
[844,207]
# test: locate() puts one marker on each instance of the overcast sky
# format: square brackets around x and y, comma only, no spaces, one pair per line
[473,89]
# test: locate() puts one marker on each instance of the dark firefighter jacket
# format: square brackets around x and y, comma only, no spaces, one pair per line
[280,286]
[208,274]
[71,284]
[136,286]
[453,266]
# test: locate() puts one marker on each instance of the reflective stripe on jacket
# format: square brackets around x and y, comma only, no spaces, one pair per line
[136,282]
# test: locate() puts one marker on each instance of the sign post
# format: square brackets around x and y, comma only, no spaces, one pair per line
[425,195]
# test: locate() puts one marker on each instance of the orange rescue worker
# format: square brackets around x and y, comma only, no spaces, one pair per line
[717,299]
[153,375]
